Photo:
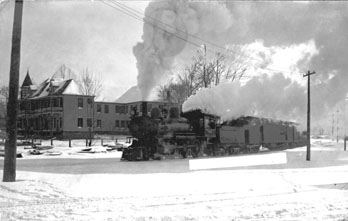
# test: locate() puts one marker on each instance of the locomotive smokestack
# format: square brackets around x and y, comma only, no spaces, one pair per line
[169,98]
[144,108]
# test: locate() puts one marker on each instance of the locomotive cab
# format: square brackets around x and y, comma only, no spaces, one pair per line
[204,125]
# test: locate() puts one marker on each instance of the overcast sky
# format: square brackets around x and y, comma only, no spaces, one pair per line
[80,34]
[90,34]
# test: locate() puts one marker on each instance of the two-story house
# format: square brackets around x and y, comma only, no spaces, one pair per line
[56,108]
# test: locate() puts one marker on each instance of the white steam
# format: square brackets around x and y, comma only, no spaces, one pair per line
[291,59]
[275,97]
[167,28]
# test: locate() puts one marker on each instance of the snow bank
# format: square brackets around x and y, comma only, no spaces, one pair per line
[294,189]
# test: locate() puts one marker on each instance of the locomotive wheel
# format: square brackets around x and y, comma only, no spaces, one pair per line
[220,151]
[194,152]
[190,152]
[145,154]
[187,153]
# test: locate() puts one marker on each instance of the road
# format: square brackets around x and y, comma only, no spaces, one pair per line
[99,165]
[113,165]
[109,189]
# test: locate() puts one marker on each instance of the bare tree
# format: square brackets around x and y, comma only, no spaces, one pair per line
[90,84]
[4,91]
[65,72]
[205,72]
[238,64]
[173,92]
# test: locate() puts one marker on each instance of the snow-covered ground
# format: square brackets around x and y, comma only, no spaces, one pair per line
[279,185]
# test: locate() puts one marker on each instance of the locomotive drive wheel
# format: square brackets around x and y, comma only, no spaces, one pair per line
[196,151]
[190,152]
[220,151]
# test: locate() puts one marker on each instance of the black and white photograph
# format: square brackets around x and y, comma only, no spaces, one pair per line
[173,110]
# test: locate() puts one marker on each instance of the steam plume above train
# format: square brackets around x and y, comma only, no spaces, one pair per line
[319,26]
[275,97]
[167,28]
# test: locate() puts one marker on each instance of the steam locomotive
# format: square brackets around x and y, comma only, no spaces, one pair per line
[167,132]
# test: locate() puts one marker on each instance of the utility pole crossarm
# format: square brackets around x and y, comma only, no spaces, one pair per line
[308,74]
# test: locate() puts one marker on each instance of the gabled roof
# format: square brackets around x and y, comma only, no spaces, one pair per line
[133,94]
[27,80]
[56,87]
[62,87]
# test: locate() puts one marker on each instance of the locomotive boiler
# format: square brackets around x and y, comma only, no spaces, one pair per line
[165,132]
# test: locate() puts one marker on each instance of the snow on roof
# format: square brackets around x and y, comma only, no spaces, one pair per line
[72,88]
[33,87]
[133,95]
[41,90]
[58,86]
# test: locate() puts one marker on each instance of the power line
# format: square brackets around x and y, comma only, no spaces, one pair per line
[133,13]
[194,36]
[140,19]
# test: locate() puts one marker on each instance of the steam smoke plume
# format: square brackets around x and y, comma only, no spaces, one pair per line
[275,97]
[167,28]
[315,39]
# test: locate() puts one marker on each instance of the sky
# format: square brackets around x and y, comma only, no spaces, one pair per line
[80,34]
[287,38]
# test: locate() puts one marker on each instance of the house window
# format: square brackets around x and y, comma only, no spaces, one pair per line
[106,108]
[149,107]
[89,122]
[99,123]
[80,102]
[55,102]
[80,122]
[117,123]
[98,108]
[122,123]
[126,111]
[116,109]
[89,100]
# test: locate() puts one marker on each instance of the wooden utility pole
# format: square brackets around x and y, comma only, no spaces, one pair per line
[204,67]
[217,80]
[332,129]
[337,125]
[12,105]
[308,75]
